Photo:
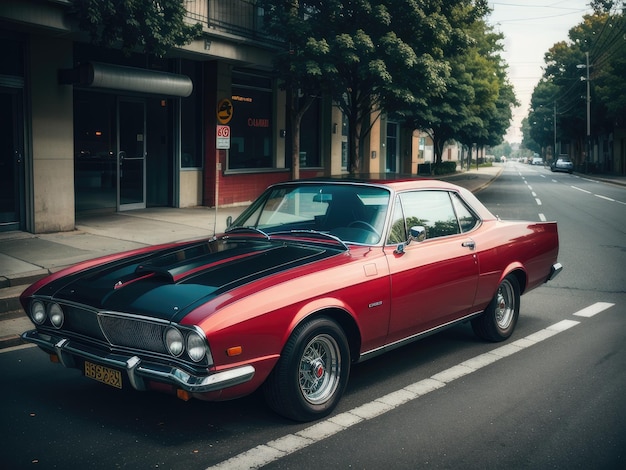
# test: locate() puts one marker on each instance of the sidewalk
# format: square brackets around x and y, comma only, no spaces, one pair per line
[25,257]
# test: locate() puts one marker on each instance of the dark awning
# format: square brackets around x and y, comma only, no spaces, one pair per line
[122,78]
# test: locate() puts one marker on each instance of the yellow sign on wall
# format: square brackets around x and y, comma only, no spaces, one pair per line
[224,111]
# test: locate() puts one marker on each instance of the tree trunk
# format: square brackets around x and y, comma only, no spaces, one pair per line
[354,165]
[298,107]
[296,119]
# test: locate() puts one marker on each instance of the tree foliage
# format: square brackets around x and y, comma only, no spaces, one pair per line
[368,55]
[595,49]
[149,26]
[476,107]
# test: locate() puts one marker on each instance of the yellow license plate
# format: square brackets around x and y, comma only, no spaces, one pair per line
[103,374]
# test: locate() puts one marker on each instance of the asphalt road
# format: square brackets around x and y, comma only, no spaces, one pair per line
[551,397]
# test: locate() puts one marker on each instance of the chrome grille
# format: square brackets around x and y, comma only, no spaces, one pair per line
[133,333]
[82,321]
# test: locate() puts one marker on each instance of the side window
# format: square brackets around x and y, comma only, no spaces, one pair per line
[431,209]
[467,219]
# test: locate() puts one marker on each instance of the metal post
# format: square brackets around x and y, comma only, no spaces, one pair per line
[588,99]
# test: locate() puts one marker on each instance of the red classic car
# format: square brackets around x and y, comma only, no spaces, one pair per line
[311,278]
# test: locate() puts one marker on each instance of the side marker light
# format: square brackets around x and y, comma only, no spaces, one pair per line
[234,351]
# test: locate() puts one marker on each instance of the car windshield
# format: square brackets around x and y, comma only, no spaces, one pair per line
[354,213]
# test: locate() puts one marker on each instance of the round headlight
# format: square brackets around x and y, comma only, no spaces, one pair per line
[38,312]
[196,346]
[174,341]
[55,313]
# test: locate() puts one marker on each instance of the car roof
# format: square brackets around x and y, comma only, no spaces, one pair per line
[395,183]
[401,184]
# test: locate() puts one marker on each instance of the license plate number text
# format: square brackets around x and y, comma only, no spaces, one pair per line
[103,374]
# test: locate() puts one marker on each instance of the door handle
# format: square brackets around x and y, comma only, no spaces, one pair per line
[471,244]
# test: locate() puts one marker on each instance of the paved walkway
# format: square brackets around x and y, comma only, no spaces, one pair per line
[25,257]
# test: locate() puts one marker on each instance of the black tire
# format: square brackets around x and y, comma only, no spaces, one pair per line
[312,372]
[498,320]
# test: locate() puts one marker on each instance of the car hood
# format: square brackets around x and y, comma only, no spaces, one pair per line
[167,282]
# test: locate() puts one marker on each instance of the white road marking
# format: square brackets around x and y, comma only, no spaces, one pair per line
[542,217]
[276,449]
[538,201]
[606,198]
[17,348]
[593,309]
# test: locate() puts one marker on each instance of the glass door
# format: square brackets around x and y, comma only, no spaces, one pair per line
[131,155]
[11,159]
[392,148]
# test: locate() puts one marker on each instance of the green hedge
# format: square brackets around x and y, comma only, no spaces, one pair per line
[443,168]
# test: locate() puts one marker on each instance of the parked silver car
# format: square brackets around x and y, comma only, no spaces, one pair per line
[562,163]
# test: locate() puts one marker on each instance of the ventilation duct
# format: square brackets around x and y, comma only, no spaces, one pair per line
[130,79]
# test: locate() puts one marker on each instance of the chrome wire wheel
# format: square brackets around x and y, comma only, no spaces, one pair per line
[312,372]
[498,320]
[505,304]
[320,369]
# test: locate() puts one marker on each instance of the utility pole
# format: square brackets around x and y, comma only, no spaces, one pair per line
[554,155]
[587,66]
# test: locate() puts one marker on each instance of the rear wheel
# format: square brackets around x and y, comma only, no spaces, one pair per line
[498,320]
[312,372]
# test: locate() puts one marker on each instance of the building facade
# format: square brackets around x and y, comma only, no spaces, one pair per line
[86,129]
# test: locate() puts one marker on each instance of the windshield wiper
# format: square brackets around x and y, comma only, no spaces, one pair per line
[244,230]
[314,233]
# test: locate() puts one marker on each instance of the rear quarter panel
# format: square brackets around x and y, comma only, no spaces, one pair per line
[506,246]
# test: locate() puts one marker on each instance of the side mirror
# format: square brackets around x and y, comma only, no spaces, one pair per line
[417,233]
[229,221]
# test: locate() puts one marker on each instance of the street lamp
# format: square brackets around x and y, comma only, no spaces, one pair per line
[554,132]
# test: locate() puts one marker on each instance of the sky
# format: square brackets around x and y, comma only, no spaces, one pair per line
[530,28]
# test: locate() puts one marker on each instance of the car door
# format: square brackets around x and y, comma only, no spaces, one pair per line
[433,281]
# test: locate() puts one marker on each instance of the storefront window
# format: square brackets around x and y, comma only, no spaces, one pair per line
[95,159]
[310,137]
[251,143]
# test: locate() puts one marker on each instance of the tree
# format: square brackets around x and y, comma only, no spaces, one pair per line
[527,141]
[367,55]
[491,108]
[599,38]
[541,117]
[476,105]
[302,64]
[148,26]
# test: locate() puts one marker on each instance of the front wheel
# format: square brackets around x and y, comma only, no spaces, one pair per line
[312,372]
[498,320]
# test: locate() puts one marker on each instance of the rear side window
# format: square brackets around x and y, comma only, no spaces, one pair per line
[432,210]
[467,219]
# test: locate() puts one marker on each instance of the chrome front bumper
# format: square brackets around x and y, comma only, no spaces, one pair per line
[138,371]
